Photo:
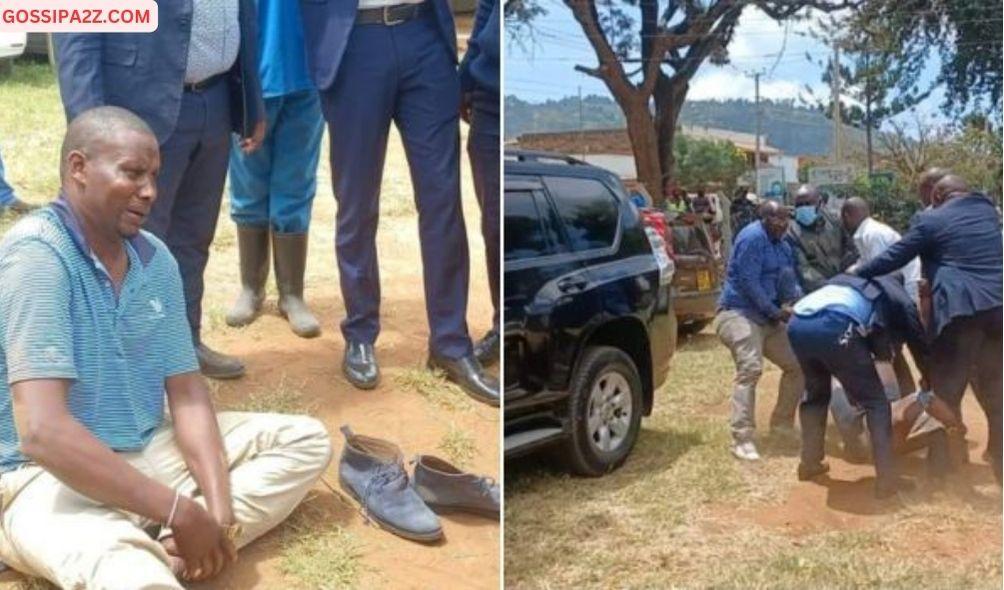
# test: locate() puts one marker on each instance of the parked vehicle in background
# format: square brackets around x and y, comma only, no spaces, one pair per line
[589,327]
[697,284]
[11,45]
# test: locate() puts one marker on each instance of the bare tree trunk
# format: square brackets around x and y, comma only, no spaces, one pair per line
[644,145]
[669,95]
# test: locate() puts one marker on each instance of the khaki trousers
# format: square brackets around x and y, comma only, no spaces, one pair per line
[749,343]
[48,530]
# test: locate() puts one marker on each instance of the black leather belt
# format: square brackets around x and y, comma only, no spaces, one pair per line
[205,84]
[389,15]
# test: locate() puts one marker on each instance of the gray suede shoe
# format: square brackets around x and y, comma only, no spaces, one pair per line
[445,488]
[372,471]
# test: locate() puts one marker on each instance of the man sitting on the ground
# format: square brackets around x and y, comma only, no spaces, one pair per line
[100,489]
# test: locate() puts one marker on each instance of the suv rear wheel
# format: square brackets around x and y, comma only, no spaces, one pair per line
[605,409]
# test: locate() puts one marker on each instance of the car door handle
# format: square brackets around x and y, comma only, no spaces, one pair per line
[571,284]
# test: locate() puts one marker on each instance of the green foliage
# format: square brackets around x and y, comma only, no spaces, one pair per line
[892,202]
[962,36]
[701,161]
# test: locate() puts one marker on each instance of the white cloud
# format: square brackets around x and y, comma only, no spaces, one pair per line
[725,83]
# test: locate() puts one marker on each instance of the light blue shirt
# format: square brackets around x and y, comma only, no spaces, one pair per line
[837,298]
[215,38]
[60,318]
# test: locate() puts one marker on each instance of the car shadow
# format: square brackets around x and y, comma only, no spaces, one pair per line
[656,450]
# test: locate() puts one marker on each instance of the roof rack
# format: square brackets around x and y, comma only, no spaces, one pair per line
[544,157]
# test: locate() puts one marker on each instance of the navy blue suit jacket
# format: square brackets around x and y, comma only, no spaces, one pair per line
[145,72]
[959,244]
[328,23]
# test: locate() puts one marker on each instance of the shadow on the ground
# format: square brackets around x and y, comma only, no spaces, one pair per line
[700,342]
[655,451]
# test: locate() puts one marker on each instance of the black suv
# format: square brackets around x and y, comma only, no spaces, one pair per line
[589,326]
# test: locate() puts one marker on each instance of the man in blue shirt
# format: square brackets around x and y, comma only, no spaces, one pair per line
[272,189]
[479,79]
[8,200]
[94,339]
[959,244]
[835,331]
[759,286]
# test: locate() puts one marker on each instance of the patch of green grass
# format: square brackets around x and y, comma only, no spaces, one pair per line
[433,386]
[661,520]
[458,446]
[317,554]
[285,397]
[33,122]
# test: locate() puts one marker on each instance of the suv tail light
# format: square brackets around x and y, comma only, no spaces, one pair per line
[656,220]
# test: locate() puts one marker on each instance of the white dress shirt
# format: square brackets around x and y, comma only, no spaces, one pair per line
[872,238]
[365,4]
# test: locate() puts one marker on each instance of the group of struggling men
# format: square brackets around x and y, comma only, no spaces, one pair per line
[115,470]
[827,299]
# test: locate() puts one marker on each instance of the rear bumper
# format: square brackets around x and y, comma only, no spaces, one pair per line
[690,306]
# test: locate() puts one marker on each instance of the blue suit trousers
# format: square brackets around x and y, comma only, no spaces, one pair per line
[403,74]
[193,170]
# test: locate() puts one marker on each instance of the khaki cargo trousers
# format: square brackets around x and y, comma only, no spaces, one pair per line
[749,343]
[48,530]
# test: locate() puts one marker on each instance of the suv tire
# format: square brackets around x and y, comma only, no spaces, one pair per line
[606,387]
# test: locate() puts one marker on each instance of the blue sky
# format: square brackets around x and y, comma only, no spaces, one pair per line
[544,69]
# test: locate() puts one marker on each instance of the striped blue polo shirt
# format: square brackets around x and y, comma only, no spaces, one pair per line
[60,318]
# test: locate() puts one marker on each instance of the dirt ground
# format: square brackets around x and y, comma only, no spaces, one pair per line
[683,513]
[327,543]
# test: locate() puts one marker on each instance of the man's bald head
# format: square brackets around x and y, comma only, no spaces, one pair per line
[926,182]
[854,211]
[774,217]
[97,126]
[807,195]
[946,188]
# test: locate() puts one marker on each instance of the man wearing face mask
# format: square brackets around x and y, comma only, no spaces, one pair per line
[822,248]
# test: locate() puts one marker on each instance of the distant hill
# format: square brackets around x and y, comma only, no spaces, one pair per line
[794,129]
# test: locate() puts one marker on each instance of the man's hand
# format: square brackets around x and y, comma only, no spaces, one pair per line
[201,542]
[250,144]
[786,312]
[465,107]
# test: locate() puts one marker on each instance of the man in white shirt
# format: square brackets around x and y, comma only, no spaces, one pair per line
[871,238]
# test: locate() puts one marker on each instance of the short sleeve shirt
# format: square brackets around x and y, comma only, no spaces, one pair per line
[60,318]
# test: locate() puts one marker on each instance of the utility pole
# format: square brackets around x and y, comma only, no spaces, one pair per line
[835,85]
[756,157]
[582,141]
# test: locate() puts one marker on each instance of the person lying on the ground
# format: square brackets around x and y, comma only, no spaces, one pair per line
[838,331]
[100,489]
[959,244]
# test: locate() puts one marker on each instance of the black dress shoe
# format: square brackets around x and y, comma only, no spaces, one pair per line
[216,365]
[360,365]
[486,350]
[809,472]
[468,374]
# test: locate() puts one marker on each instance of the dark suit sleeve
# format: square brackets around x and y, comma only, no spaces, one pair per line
[81,84]
[899,254]
[246,70]
[473,47]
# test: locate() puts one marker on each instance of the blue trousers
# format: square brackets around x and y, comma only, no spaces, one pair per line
[275,185]
[483,151]
[193,169]
[404,74]
[6,192]
[827,345]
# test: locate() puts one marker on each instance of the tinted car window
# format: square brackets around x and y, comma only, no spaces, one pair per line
[524,233]
[588,209]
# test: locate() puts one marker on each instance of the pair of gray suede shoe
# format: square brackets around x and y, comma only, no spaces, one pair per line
[372,471]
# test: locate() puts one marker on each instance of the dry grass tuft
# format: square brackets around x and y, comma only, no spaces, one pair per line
[458,446]
[433,386]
